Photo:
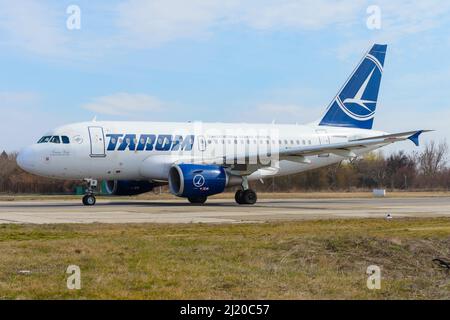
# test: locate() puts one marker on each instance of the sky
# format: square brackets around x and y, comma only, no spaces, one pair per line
[217,60]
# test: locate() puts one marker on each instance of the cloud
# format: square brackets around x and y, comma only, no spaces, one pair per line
[400,20]
[122,104]
[300,15]
[32,26]
[411,17]
[39,27]
[150,22]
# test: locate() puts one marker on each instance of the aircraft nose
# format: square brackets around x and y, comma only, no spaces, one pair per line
[26,159]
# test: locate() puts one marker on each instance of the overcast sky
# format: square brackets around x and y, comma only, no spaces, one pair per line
[216,60]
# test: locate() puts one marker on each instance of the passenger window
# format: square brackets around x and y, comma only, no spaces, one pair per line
[65,139]
[55,139]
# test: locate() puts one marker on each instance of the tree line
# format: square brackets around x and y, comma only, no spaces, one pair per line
[425,170]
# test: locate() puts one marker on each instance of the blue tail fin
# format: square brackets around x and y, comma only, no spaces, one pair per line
[354,106]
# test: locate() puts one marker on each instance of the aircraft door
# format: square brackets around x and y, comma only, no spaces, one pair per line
[97,139]
[201,143]
[324,138]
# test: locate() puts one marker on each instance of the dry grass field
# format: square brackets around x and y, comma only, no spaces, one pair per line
[298,260]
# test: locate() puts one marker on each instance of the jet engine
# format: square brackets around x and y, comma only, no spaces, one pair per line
[198,181]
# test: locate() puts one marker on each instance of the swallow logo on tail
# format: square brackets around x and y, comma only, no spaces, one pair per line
[354,106]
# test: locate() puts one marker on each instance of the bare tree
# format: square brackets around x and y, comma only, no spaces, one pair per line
[433,158]
[401,170]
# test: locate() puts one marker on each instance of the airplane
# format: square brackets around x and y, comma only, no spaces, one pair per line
[198,160]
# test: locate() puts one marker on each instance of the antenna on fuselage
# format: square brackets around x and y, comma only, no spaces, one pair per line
[94,119]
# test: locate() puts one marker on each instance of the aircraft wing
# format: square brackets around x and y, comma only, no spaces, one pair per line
[345,148]
[298,154]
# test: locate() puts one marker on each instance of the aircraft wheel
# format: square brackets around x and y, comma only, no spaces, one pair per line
[249,197]
[198,200]
[89,200]
[238,197]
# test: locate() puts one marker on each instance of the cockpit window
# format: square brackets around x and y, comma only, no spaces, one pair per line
[55,139]
[65,139]
[44,139]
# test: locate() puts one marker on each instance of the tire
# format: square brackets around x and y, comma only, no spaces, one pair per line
[89,200]
[198,200]
[249,197]
[238,197]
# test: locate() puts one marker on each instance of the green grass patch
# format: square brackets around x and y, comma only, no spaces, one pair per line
[295,260]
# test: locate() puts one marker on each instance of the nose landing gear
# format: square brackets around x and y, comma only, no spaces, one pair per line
[246,195]
[89,200]
[89,197]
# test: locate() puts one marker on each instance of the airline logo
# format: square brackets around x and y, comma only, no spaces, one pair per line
[361,105]
[149,142]
[198,181]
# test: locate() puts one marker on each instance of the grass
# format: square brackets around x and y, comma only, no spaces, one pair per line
[288,260]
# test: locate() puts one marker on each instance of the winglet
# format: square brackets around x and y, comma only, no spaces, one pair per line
[415,137]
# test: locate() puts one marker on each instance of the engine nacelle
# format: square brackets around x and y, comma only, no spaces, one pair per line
[197,180]
[127,187]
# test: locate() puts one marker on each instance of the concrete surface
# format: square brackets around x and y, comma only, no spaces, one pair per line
[218,211]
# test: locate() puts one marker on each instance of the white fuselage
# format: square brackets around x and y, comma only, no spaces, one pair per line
[131,150]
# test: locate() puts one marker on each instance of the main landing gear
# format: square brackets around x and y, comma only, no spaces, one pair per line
[89,197]
[246,195]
